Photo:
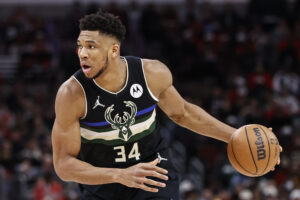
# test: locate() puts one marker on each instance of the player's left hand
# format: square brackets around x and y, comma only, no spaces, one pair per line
[280,150]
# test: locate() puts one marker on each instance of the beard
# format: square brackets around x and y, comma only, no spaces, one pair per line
[101,70]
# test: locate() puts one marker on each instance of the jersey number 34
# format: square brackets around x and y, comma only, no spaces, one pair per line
[121,153]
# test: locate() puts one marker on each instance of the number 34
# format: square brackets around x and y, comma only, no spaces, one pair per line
[134,153]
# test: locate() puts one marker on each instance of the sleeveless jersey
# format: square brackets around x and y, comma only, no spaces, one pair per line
[119,129]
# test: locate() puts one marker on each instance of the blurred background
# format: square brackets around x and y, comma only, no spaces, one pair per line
[237,59]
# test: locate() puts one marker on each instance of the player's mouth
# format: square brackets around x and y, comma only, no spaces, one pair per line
[86,68]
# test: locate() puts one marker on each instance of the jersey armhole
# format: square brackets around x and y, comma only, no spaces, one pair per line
[151,94]
[85,112]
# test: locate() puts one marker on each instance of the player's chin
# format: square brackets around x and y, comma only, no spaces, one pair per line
[88,73]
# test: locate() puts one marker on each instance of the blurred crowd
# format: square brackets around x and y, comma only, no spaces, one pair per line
[241,63]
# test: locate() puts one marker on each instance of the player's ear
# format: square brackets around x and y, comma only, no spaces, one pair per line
[115,50]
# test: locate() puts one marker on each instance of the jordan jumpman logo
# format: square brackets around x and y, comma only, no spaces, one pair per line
[160,158]
[97,103]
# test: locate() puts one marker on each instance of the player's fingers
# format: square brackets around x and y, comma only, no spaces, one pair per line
[155,168]
[150,165]
[160,170]
[270,128]
[152,182]
[146,188]
[278,161]
[154,162]
[156,174]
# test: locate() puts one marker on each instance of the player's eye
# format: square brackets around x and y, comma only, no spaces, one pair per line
[79,46]
[91,46]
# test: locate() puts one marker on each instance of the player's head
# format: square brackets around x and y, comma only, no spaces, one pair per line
[99,42]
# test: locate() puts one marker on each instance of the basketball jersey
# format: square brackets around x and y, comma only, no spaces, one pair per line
[119,129]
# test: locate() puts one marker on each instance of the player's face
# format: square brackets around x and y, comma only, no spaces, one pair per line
[93,53]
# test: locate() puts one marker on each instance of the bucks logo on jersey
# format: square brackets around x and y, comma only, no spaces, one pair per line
[122,123]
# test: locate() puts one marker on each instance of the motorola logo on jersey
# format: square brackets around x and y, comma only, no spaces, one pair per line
[136,90]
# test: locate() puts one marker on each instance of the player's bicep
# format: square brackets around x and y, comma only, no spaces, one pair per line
[172,103]
[159,79]
[66,146]
[66,138]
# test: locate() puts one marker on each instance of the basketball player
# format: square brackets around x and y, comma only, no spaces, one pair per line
[105,136]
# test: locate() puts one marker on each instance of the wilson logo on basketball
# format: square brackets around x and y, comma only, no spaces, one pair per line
[261,152]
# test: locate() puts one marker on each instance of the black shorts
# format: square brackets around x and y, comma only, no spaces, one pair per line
[117,191]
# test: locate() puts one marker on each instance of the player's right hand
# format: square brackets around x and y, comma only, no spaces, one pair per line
[137,175]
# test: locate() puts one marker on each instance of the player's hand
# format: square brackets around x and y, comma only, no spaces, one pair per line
[280,149]
[137,175]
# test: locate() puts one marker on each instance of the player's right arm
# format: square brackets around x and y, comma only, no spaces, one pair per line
[66,141]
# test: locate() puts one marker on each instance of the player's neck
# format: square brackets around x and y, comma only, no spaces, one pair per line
[114,77]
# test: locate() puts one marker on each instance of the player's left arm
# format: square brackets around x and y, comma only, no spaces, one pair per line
[188,115]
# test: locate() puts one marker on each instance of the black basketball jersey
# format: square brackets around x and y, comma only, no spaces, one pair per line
[119,129]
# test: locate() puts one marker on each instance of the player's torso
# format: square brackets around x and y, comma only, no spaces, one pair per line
[119,129]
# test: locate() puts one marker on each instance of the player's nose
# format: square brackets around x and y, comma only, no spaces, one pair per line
[82,53]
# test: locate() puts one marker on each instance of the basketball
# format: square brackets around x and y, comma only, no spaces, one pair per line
[253,150]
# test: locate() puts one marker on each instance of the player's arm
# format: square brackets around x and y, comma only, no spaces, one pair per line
[188,115]
[66,141]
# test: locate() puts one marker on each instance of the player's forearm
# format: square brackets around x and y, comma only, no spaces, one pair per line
[199,121]
[72,169]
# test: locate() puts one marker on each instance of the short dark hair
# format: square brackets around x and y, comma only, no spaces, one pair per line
[105,23]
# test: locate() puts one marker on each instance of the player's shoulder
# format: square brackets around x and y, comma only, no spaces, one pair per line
[158,76]
[70,87]
[70,99]
[69,91]
[156,68]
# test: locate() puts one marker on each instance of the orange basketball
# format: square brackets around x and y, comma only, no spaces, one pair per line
[253,150]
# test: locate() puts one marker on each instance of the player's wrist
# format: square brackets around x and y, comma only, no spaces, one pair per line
[117,175]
